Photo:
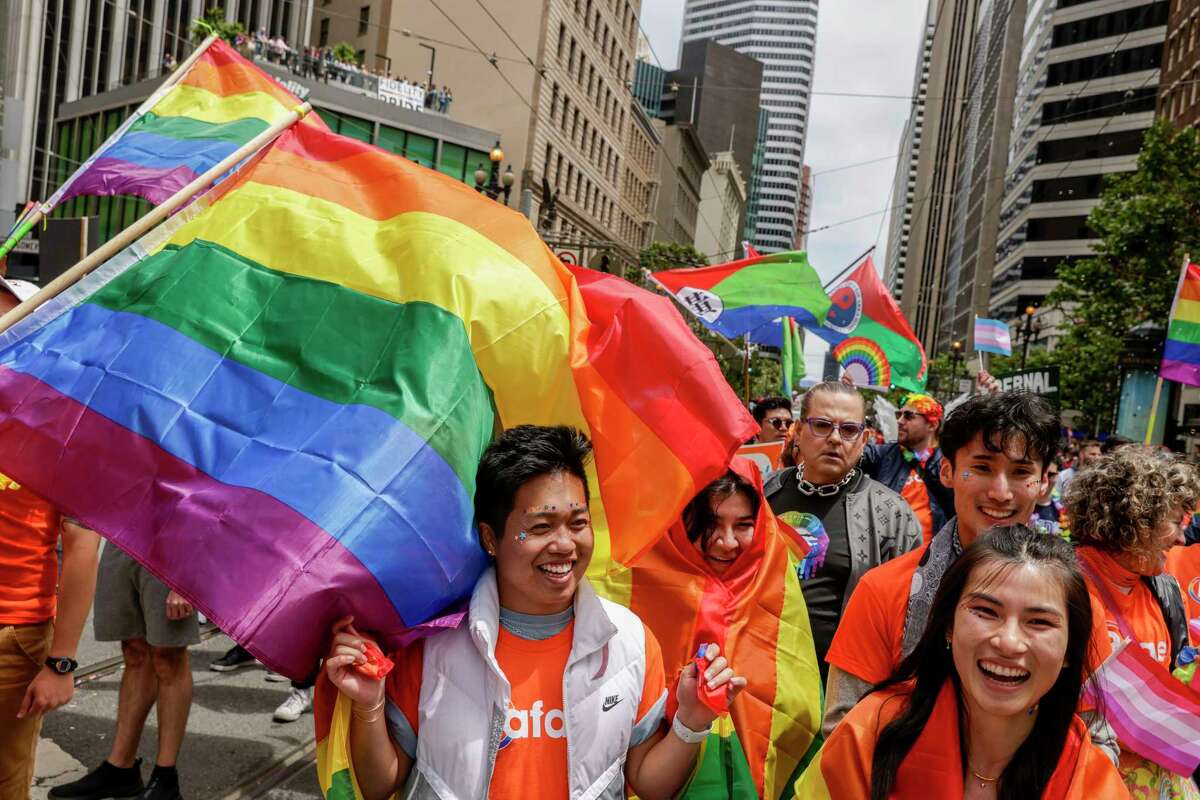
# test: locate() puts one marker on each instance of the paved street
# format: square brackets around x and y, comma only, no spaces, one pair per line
[233,748]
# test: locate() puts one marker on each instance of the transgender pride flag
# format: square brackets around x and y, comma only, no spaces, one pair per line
[991,336]
[1153,713]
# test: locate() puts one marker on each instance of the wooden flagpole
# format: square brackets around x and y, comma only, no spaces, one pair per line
[156,215]
[1158,385]
[42,209]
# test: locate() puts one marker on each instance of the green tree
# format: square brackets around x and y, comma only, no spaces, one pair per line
[1146,221]
[1038,357]
[345,52]
[214,21]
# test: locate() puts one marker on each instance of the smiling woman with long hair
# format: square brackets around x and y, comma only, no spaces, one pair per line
[985,705]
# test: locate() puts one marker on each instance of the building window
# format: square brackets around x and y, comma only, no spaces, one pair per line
[364,20]
[323,37]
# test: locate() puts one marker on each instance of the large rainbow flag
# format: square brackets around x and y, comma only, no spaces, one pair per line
[736,298]
[218,103]
[1181,354]
[756,612]
[276,401]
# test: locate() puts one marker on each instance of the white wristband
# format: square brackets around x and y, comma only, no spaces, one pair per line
[686,734]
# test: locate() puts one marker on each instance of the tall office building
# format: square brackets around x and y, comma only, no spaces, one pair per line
[804,213]
[783,36]
[1179,86]
[905,181]
[1086,92]
[61,51]
[936,180]
[982,160]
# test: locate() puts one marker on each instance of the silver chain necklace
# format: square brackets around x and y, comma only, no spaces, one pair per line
[807,487]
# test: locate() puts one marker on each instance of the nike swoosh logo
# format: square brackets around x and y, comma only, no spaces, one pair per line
[609,705]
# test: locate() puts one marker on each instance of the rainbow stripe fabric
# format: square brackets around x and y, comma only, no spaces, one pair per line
[277,400]
[1181,355]
[736,298]
[754,611]
[221,102]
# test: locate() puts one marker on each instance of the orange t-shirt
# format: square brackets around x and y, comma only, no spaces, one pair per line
[1184,564]
[916,494]
[871,632]
[870,635]
[28,562]
[1139,608]
[532,760]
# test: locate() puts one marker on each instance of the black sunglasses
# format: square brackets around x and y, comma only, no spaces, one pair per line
[780,423]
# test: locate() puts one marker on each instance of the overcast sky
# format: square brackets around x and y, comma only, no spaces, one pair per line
[865,47]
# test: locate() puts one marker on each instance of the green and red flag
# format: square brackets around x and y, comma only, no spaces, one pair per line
[735,298]
[869,335]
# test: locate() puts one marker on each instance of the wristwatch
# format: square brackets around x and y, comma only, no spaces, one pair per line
[688,735]
[62,665]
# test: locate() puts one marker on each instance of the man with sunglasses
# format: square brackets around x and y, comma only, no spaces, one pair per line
[866,522]
[910,465]
[774,417]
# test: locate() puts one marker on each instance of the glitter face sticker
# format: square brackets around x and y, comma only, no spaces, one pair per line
[522,536]
[966,474]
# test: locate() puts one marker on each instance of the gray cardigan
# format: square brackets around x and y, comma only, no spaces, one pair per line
[880,523]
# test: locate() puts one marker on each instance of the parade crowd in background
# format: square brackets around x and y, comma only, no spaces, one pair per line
[960,586]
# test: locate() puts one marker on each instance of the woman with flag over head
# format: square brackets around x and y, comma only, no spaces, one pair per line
[985,706]
[544,691]
[727,573]
[1127,510]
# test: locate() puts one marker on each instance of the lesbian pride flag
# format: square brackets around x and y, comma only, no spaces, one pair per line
[220,102]
[1154,714]
[1181,354]
[991,336]
[277,400]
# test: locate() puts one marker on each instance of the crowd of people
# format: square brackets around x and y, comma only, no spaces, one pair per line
[320,63]
[921,618]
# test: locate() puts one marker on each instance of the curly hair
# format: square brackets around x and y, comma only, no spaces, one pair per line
[1118,501]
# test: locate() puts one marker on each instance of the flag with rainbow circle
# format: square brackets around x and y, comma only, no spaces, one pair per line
[869,335]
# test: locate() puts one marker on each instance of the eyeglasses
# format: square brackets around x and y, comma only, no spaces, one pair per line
[780,423]
[823,428]
[908,415]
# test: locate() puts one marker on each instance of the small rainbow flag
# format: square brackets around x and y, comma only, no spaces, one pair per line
[1181,354]
[992,336]
[277,400]
[735,298]
[218,103]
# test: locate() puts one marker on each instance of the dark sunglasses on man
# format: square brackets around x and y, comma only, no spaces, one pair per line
[908,415]
[822,428]
[779,423]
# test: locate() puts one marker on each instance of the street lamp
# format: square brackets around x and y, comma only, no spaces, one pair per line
[956,358]
[1027,332]
[491,182]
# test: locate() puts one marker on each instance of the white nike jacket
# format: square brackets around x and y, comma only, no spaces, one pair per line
[465,696]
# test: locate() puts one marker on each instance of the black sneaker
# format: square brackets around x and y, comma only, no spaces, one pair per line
[103,782]
[234,658]
[163,785]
